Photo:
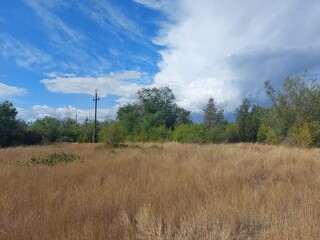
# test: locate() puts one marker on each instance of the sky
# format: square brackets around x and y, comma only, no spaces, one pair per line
[54,54]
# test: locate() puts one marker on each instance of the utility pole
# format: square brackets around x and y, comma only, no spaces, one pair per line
[96,99]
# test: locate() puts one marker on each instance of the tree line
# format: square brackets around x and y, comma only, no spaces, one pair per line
[293,118]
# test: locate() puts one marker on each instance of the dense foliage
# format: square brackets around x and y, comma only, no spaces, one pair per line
[293,118]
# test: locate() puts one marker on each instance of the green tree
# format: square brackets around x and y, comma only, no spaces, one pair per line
[212,116]
[248,121]
[296,103]
[130,117]
[159,100]
[49,128]
[233,133]
[183,117]
[155,108]
[70,131]
[8,123]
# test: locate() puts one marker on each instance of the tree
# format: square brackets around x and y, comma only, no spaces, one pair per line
[70,131]
[248,121]
[8,123]
[48,127]
[212,116]
[159,100]
[296,103]
[155,108]
[183,117]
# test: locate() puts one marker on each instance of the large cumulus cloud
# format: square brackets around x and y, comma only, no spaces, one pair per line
[227,49]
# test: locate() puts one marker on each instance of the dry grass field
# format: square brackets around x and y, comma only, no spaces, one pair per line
[162,191]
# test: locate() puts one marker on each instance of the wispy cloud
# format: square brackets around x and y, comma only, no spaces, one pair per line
[124,84]
[24,54]
[65,39]
[55,26]
[111,18]
[153,4]
[6,90]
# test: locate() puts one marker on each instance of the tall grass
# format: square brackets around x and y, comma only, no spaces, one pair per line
[168,191]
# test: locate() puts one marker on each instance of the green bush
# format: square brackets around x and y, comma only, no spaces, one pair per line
[191,133]
[232,133]
[262,133]
[113,134]
[54,158]
[217,134]
[300,135]
[269,135]
[315,131]
[160,134]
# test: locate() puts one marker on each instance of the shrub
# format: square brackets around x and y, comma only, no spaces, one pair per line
[269,135]
[300,135]
[232,133]
[113,134]
[217,134]
[160,134]
[191,133]
[315,131]
[54,158]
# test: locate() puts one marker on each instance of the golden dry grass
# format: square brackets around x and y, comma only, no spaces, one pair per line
[168,191]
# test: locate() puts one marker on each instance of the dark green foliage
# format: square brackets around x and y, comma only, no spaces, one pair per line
[183,117]
[315,132]
[232,133]
[159,101]
[54,159]
[8,124]
[212,116]
[70,130]
[48,127]
[248,121]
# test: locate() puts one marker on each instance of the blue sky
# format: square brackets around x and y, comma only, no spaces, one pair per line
[55,53]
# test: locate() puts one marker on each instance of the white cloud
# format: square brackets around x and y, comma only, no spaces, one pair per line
[227,49]
[6,90]
[124,84]
[41,111]
[24,54]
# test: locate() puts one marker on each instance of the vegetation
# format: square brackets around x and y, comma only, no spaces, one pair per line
[293,118]
[162,191]
[212,116]
[54,158]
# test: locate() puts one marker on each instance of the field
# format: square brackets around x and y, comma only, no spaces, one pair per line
[161,191]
